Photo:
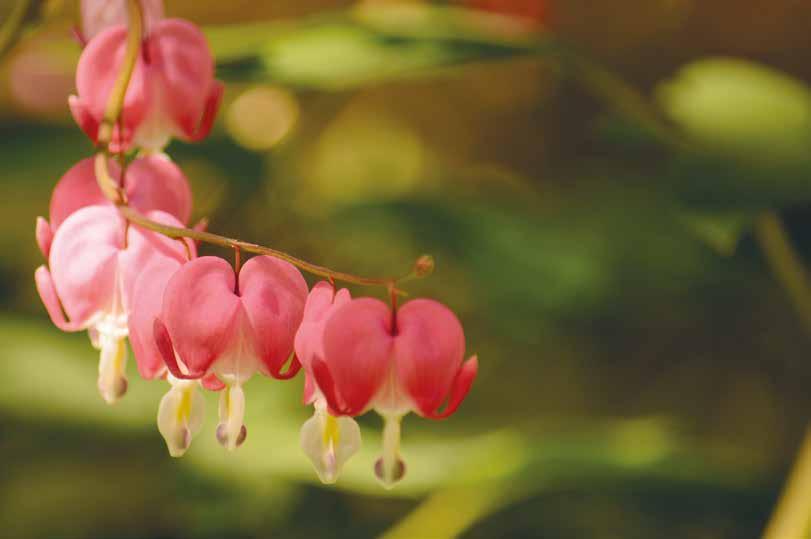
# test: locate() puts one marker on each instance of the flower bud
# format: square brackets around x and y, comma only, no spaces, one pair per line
[424,266]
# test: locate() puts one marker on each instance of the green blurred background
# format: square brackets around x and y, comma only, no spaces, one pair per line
[643,374]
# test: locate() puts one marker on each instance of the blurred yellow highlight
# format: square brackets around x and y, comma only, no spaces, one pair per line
[262,117]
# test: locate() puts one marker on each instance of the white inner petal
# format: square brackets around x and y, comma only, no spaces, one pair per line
[329,442]
[180,415]
[231,430]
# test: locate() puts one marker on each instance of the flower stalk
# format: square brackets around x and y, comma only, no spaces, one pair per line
[139,219]
[111,189]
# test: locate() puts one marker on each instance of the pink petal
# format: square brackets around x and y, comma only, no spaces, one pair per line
[78,188]
[47,291]
[212,383]
[146,306]
[461,387]
[308,341]
[429,350]
[183,67]
[212,105]
[98,68]
[293,367]
[273,293]
[200,313]
[154,182]
[308,396]
[358,349]
[98,15]
[83,261]
[324,380]
[44,236]
[144,246]
[84,118]
[167,350]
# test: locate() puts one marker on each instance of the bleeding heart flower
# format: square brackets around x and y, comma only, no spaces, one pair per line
[212,322]
[181,411]
[172,92]
[327,440]
[152,182]
[395,362]
[98,15]
[94,260]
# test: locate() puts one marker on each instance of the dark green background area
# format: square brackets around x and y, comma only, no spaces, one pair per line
[642,373]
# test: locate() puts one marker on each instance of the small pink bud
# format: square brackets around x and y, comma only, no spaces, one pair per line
[424,266]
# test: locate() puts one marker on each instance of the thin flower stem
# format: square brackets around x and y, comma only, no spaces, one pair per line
[237,267]
[115,103]
[139,219]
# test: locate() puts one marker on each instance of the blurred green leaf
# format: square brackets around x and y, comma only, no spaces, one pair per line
[347,49]
[748,110]
[54,378]
[721,230]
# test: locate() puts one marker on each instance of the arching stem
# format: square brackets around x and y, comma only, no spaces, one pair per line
[139,219]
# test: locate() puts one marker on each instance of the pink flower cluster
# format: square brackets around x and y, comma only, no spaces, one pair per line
[198,322]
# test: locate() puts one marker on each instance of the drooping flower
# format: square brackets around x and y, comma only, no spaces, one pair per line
[152,182]
[181,410]
[327,440]
[215,322]
[98,15]
[172,91]
[93,262]
[395,362]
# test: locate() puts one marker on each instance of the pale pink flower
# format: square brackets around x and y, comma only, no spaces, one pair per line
[93,261]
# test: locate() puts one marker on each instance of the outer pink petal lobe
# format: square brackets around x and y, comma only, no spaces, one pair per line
[429,351]
[273,293]
[146,305]
[83,261]
[201,312]
[358,349]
